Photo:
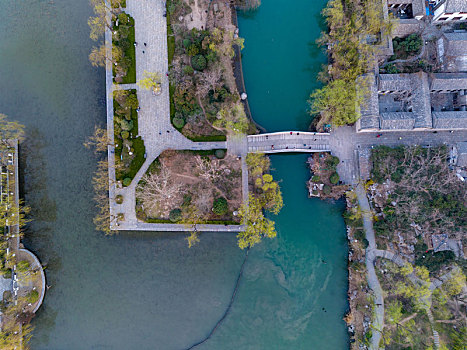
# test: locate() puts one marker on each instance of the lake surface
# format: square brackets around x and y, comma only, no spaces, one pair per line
[149,291]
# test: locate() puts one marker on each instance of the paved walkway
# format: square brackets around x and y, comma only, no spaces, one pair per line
[289,141]
[154,124]
[373,282]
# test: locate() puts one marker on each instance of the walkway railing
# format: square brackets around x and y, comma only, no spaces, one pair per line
[289,141]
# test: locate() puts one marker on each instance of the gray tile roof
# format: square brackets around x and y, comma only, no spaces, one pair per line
[369,122]
[418,6]
[455,50]
[417,84]
[462,154]
[456,6]
[397,121]
[396,82]
[406,27]
[450,120]
[461,147]
[448,81]
[457,43]
[421,102]
[369,110]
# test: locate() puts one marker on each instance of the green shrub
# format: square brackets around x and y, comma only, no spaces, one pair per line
[132,101]
[188,70]
[6,296]
[175,215]
[6,273]
[123,17]
[332,161]
[365,243]
[192,50]
[315,178]
[359,235]
[186,200]
[22,266]
[396,176]
[125,134]
[119,199]
[33,296]
[220,153]
[126,125]
[186,43]
[220,206]
[391,69]
[334,178]
[326,190]
[178,122]
[198,62]
[126,182]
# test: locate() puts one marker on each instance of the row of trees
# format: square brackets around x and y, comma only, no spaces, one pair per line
[15,328]
[107,15]
[351,52]
[99,142]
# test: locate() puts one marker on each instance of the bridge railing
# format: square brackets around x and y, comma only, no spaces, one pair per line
[288,135]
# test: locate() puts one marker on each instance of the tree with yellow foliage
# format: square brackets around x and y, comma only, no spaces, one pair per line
[257,226]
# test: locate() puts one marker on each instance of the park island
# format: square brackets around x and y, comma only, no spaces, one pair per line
[389,133]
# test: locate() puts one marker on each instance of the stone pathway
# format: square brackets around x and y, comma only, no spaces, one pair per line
[373,282]
[154,124]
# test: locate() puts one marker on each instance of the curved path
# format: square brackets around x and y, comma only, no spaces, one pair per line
[373,282]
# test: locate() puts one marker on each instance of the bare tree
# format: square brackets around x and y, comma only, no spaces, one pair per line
[99,141]
[203,201]
[209,169]
[157,190]
[210,80]
[100,55]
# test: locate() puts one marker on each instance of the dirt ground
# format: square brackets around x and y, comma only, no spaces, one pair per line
[184,168]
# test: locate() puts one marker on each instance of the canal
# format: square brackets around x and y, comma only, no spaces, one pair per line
[149,291]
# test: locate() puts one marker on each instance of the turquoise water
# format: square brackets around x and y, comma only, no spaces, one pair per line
[281,61]
[293,291]
[149,291]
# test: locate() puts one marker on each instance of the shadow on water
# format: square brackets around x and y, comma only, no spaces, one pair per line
[321,21]
[249,14]
[32,167]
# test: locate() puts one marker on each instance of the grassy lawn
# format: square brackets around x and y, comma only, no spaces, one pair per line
[170,40]
[133,143]
[129,53]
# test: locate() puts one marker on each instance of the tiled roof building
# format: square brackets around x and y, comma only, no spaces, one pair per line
[415,101]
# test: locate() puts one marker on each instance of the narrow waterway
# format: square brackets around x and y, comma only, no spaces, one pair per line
[149,291]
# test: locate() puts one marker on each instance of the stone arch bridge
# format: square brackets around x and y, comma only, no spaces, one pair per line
[289,141]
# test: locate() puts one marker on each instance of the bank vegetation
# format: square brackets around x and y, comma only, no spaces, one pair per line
[356,29]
